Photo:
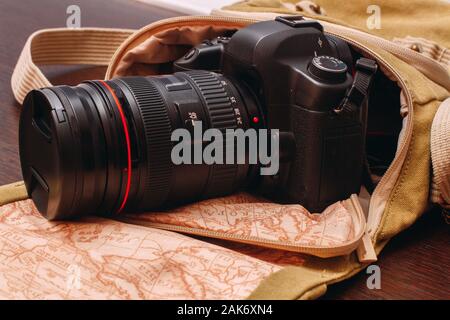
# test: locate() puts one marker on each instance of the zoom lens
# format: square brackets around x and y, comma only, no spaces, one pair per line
[105,146]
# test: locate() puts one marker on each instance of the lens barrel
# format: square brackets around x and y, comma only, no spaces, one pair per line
[104,147]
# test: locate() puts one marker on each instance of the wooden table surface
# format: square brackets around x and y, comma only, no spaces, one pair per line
[414,265]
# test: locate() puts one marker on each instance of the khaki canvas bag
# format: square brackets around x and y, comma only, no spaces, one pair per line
[244,246]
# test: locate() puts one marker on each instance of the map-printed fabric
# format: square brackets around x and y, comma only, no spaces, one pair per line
[97,258]
[104,259]
[244,215]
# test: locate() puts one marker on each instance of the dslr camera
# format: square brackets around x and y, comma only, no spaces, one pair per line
[103,147]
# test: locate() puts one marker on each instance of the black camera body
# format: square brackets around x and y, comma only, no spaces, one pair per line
[300,77]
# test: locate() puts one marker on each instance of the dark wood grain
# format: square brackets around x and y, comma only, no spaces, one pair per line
[414,265]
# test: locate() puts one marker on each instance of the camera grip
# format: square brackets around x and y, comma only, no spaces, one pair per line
[328,158]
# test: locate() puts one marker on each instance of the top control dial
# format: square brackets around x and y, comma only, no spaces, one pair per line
[328,68]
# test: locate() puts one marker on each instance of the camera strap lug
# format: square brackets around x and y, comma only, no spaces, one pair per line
[354,98]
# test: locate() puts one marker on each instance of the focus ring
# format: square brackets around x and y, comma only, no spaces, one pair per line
[216,99]
[222,117]
[157,131]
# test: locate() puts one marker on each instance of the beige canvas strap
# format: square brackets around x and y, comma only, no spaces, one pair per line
[440,155]
[63,46]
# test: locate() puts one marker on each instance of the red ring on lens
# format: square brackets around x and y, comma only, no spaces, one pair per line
[127,141]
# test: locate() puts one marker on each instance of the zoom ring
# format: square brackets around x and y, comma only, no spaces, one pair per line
[216,98]
[222,117]
[158,131]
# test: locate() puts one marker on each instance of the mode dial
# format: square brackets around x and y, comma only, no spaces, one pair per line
[328,68]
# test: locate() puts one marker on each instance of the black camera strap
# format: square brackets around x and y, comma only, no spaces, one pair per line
[355,97]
